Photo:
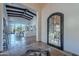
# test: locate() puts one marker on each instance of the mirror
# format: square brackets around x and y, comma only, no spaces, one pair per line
[55,30]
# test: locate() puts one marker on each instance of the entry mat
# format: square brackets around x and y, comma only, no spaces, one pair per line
[36,52]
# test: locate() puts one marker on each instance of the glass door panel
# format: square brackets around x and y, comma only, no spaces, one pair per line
[55,30]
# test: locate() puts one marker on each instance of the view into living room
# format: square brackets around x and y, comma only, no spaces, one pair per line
[39,29]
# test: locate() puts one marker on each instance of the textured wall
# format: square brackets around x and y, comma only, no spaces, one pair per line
[71,24]
[1,28]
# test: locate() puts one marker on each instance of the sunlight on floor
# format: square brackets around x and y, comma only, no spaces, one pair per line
[16,44]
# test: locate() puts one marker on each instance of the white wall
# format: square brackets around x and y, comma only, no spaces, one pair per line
[1,28]
[71,24]
[2,15]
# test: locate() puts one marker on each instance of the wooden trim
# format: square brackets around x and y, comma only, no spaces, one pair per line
[13,7]
[10,13]
[8,10]
[13,15]
[14,11]
[23,9]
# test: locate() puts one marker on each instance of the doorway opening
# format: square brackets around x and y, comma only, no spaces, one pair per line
[21,27]
[55,30]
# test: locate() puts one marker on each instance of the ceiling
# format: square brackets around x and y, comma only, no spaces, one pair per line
[38,6]
[17,11]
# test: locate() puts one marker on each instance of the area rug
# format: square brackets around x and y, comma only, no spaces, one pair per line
[36,52]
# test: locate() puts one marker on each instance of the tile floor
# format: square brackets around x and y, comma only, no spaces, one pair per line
[19,45]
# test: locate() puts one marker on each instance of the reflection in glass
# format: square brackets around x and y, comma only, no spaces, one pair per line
[54,30]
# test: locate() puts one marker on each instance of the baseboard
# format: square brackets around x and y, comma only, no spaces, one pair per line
[1,51]
[73,54]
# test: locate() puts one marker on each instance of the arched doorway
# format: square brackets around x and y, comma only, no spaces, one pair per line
[55,30]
